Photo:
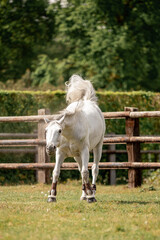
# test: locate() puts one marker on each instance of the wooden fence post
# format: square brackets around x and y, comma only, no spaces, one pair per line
[133,149]
[42,175]
[112,158]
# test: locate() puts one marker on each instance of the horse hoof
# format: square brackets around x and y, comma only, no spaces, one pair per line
[91,200]
[50,199]
[83,198]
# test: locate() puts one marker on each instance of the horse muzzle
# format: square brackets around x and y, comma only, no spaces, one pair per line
[51,150]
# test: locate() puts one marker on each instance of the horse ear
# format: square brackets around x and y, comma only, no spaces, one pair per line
[46,120]
[61,120]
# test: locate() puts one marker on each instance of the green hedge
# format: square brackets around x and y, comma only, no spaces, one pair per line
[22,103]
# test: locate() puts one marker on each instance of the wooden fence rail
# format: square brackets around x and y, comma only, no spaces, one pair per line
[131,139]
[130,112]
[18,135]
[105,151]
[107,115]
[107,140]
[142,139]
[24,142]
[74,166]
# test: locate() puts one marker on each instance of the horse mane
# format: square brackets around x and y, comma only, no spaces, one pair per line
[79,89]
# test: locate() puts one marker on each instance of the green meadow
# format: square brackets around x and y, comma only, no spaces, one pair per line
[119,213]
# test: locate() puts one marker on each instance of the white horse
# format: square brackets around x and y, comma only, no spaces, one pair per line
[80,129]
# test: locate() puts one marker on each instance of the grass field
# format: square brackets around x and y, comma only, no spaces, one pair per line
[120,213]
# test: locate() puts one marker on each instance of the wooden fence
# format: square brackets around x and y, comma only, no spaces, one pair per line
[131,139]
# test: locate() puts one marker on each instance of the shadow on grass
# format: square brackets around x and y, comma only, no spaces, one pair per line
[138,202]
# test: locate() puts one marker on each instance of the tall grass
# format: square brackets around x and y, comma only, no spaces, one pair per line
[120,213]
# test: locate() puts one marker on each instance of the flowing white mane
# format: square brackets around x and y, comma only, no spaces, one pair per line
[79,89]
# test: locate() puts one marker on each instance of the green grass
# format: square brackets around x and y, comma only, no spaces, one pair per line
[120,213]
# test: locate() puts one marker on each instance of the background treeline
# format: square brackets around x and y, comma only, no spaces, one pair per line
[114,43]
[19,103]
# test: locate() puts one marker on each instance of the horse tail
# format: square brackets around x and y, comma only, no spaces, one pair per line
[79,89]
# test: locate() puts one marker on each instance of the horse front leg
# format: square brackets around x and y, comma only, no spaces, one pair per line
[56,172]
[85,176]
[79,161]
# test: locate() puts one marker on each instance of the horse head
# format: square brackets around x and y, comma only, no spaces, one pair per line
[53,135]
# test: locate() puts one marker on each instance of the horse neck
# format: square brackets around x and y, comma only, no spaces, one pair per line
[68,127]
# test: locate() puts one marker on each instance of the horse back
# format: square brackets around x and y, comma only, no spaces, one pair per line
[95,123]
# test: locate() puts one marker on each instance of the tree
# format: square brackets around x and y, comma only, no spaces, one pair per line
[139,22]
[113,43]
[24,26]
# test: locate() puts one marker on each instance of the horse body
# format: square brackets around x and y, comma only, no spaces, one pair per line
[85,127]
[80,129]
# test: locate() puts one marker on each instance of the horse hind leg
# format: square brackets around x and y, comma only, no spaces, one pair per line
[85,176]
[95,171]
[97,151]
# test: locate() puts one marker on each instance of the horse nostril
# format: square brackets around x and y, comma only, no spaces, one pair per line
[50,148]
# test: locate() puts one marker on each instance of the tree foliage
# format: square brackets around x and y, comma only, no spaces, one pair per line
[24,26]
[113,43]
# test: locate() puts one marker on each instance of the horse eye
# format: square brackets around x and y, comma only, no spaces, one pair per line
[60,130]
